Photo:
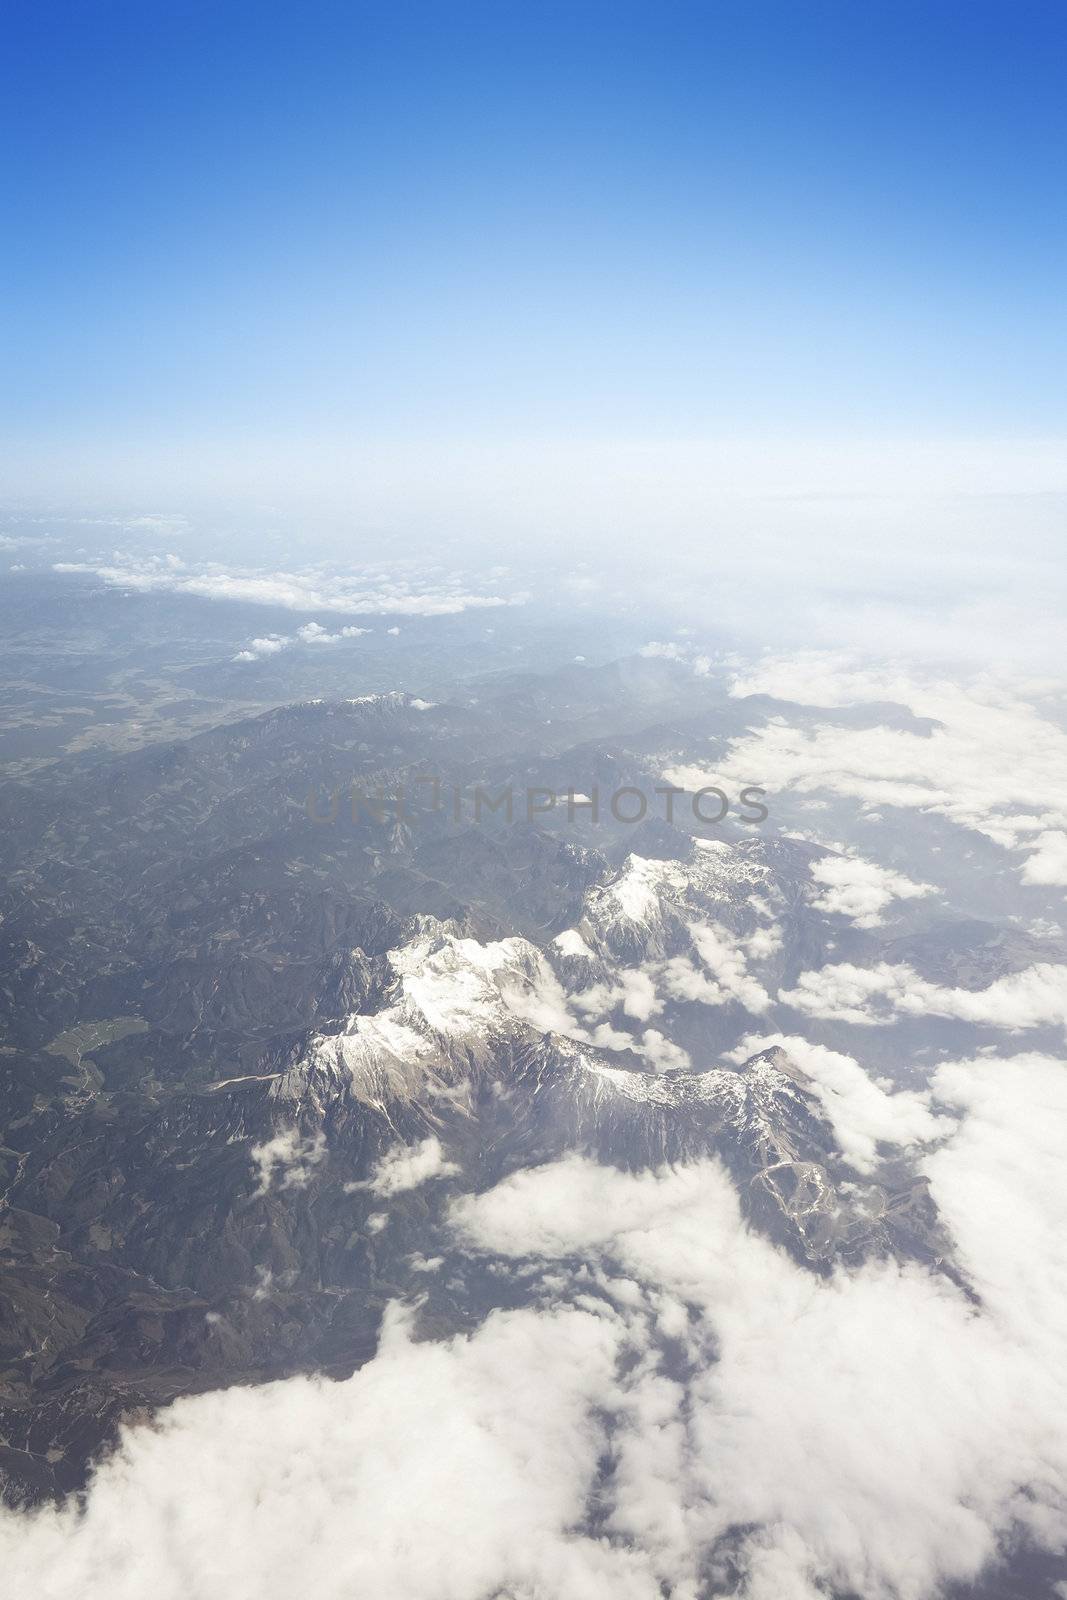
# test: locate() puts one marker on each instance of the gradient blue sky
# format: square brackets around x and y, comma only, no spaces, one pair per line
[403,220]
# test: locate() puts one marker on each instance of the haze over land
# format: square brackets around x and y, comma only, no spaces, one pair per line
[533,823]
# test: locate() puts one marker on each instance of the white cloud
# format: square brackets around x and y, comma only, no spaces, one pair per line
[421,1263]
[663,1053]
[861,890]
[439,1471]
[343,591]
[291,1155]
[999,1185]
[861,1112]
[684,654]
[874,1431]
[878,1432]
[824,678]
[724,957]
[315,633]
[406,1168]
[868,996]
[639,994]
[990,762]
[633,989]
[764,943]
[312,633]
[1048,862]
[269,645]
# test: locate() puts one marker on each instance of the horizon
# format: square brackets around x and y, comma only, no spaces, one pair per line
[341,234]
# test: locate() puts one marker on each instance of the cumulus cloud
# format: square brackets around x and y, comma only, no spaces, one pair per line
[421,1263]
[269,645]
[724,957]
[1048,862]
[315,633]
[639,998]
[634,989]
[407,1167]
[448,1470]
[862,1112]
[861,890]
[998,1183]
[546,1005]
[312,633]
[763,943]
[290,1156]
[719,976]
[869,996]
[662,1053]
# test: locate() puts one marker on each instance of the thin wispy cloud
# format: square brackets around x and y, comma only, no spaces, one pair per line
[370,593]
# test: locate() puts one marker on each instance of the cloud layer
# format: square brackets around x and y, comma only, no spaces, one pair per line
[368,592]
[989,760]
[878,1431]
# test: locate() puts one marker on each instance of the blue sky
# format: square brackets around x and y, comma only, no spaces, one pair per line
[403,220]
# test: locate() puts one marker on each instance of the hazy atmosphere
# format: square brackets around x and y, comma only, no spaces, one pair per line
[780,285]
[533,801]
